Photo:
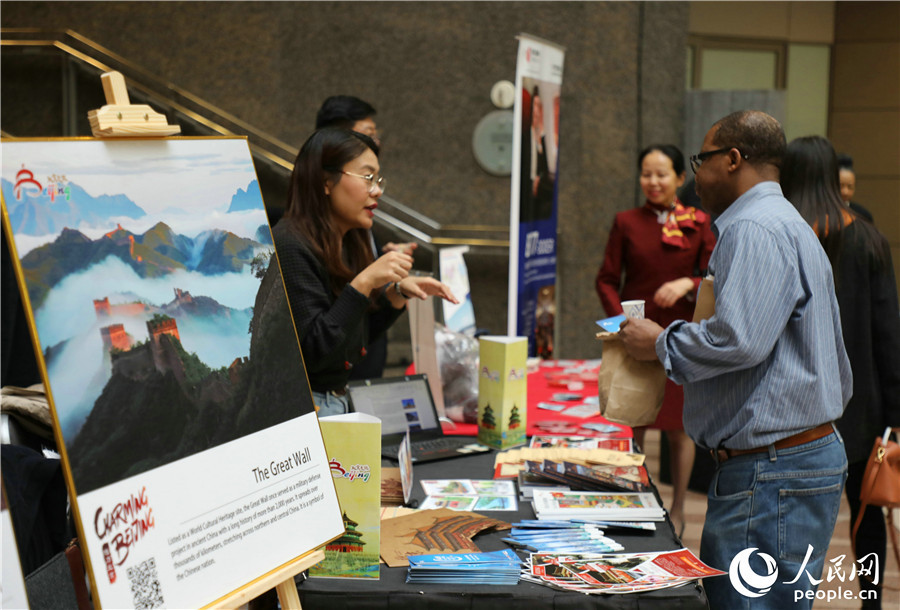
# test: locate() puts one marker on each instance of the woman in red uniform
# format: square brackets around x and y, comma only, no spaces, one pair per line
[659,253]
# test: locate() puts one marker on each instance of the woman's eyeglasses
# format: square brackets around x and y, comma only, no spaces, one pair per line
[374,180]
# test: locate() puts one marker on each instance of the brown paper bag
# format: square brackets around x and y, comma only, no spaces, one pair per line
[706,300]
[631,391]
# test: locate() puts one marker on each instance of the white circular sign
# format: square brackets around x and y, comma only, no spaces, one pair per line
[492,142]
[503,94]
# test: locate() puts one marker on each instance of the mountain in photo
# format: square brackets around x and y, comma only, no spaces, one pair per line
[219,251]
[70,206]
[216,334]
[264,235]
[246,200]
[155,253]
[162,404]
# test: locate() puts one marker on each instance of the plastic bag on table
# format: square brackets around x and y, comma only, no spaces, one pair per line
[457,356]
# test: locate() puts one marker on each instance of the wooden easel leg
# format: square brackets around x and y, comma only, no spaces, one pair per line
[287,595]
[286,587]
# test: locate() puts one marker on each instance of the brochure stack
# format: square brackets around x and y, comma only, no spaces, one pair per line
[563,505]
[495,568]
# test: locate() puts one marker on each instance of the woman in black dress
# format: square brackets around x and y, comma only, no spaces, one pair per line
[870,319]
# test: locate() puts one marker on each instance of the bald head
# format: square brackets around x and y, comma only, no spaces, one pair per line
[739,151]
[758,136]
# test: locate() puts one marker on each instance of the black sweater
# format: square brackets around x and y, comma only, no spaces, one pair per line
[334,331]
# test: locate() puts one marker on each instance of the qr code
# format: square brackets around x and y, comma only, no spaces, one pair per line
[146,591]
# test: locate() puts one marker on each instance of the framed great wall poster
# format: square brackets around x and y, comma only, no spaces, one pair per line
[181,405]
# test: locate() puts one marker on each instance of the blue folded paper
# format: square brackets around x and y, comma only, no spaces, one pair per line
[612,324]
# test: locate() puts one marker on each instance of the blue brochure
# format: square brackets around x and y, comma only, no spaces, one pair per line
[464,560]
[494,568]
[611,325]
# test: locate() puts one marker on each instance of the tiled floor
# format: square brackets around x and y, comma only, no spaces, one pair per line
[695,511]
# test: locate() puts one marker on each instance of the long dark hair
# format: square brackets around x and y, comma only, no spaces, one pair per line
[321,158]
[810,180]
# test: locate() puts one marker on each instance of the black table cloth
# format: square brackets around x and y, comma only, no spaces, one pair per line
[392,592]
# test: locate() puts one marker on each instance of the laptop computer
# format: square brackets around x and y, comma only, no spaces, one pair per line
[405,403]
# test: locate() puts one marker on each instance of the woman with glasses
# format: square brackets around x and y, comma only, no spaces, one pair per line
[340,296]
[658,253]
[867,295]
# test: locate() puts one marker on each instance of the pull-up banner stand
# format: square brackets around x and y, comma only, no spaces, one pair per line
[533,199]
[181,407]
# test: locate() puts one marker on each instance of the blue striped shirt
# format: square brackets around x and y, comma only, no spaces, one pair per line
[770,362]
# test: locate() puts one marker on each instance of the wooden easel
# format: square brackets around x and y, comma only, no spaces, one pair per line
[281,579]
[120,118]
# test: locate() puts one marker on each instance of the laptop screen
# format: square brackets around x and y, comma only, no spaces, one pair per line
[400,403]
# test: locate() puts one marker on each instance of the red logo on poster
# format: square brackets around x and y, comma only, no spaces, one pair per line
[25,180]
[110,568]
[56,185]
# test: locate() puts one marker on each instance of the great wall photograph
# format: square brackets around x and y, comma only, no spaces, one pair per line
[148,302]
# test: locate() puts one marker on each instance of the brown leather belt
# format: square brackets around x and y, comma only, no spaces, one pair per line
[808,436]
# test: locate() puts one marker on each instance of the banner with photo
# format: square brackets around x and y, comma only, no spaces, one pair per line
[181,407]
[533,200]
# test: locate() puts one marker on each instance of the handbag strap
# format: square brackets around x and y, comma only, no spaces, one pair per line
[859,517]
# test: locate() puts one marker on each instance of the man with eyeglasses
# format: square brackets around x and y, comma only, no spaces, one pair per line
[764,377]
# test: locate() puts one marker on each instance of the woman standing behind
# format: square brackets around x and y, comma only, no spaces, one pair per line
[867,295]
[340,297]
[847,176]
[662,249]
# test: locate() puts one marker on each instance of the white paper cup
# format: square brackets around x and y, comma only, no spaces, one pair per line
[633,309]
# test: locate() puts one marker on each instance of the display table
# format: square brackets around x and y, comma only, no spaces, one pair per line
[541,388]
[391,590]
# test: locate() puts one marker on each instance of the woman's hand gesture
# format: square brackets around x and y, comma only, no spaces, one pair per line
[406,247]
[419,287]
[388,268]
[423,287]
